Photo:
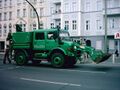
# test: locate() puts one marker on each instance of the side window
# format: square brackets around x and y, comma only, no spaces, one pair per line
[39,36]
[50,35]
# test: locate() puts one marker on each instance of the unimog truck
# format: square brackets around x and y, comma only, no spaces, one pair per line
[47,44]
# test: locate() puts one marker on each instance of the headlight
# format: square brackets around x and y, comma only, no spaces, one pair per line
[75,47]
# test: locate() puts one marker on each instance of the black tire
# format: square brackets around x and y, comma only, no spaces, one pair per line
[20,58]
[70,62]
[57,60]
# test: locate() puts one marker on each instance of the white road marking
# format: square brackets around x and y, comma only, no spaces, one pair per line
[51,82]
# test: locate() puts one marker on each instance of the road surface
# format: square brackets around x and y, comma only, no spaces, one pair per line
[45,77]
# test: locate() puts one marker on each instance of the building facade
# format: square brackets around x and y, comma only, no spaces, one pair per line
[83,19]
[94,23]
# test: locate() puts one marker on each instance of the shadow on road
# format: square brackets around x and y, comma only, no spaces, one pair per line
[95,67]
[76,67]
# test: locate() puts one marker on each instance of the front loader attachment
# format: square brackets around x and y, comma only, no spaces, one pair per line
[103,58]
[99,56]
[96,56]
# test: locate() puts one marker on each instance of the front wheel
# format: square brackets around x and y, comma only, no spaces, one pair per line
[20,58]
[58,60]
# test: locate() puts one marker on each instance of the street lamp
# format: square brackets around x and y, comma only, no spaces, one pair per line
[106,41]
[36,13]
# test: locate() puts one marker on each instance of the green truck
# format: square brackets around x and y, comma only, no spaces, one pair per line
[42,44]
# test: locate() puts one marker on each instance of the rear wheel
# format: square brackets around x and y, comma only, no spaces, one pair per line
[20,58]
[58,60]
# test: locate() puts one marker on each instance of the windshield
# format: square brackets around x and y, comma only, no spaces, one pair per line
[64,35]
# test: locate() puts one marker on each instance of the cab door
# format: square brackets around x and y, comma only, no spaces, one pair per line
[39,41]
[50,41]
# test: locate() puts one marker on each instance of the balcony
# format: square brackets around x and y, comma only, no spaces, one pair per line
[113,11]
[56,14]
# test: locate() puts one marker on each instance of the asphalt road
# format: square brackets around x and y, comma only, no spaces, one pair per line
[44,77]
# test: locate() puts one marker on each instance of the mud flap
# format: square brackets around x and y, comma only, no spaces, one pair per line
[103,58]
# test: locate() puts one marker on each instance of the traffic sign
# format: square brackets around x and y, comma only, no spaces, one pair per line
[117,35]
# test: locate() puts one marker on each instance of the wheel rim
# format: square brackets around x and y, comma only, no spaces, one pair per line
[20,58]
[58,60]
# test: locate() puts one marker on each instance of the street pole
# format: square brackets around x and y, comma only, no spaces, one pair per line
[36,13]
[106,41]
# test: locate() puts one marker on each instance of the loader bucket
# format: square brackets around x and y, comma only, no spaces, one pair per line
[104,57]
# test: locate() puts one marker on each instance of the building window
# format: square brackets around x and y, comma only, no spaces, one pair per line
[66,7]
[10,27]
[52,25]
[10,3]
[74,24]
[41,12]
[99,6]
[24,12]
[0,3]
[51,10]
[74,6]
[0,30]
[41,24]
[112,23]
[18,13]
[88,25]
[5,30]
[98,24]
[109,3]
[116,3]
[34,1]
[66,25]
[41,1]
[24,27]
[24,1]
[34,26]
[5,3]
[0,16]
[5,16]
[57,8]
[10,15]
[33,13]
[18,2]
[87,5]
